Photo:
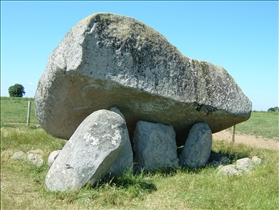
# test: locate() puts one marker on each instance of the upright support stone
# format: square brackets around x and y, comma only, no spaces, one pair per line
[154,146]
[197,148]
[89,153]
[124,162]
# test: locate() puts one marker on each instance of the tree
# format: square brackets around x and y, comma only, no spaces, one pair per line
[17,90]
[273,109]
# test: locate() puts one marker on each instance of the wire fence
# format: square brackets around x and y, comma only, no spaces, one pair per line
[18,111]
[22,111]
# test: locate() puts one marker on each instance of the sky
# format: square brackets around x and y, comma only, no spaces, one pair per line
[242,37]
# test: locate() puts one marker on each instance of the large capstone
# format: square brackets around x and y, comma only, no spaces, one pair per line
[109,60]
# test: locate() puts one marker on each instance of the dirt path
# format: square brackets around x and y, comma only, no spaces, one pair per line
[258,142]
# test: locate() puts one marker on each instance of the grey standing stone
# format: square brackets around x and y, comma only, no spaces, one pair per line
[89,153]
[53,155]
[197,148]
[154,146]
[110,60]
[124,162]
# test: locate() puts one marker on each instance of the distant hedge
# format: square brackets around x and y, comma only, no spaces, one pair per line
[273,109]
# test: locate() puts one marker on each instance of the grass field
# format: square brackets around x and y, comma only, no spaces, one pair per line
[264,124]
[14,110]
[22,184]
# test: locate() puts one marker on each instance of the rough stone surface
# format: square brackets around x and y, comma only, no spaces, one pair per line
[154,146]
[196,151]
[110,60]
[35,157]
[256,160]
[244,164]
[229,170]
[89,153]
[125,159]
[53,155]
[19,155]
[241,166]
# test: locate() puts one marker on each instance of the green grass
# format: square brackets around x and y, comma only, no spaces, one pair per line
[14,110]
[264,124]
[22,184]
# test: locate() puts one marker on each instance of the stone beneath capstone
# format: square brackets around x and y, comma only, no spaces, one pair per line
[53,155]
[154,146]
[110,60]
[124,162]
[197,148]
[89,153]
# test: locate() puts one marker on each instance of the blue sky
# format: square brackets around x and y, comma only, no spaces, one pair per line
[240,36]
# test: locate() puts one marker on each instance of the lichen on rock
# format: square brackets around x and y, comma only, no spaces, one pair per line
[109,60]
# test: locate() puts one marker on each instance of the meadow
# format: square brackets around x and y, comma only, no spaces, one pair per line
[22,184]
[14,110]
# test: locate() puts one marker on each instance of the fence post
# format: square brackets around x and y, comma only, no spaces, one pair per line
[233,133]
[28,113]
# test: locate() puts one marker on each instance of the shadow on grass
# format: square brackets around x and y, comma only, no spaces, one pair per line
[231,150]
[114,191]
[129,180]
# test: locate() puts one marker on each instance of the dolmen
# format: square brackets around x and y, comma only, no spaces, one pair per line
[109,61]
